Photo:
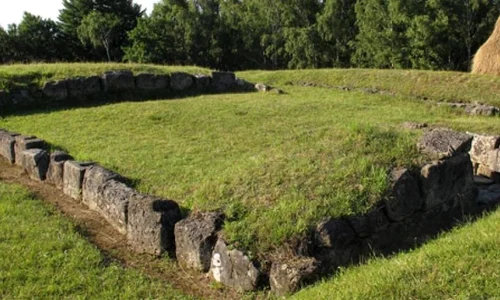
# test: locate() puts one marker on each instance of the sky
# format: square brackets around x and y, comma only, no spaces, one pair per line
[11,11]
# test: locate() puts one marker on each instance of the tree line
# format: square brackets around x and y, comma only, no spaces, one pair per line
[259,34]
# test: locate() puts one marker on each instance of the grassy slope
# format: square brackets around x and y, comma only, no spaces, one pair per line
[42,256]
[463,264]
[438,86]
[37,74]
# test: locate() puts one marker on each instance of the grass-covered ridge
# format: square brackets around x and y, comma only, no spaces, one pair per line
[43,256]
[437,86]
[463,264]
[24,75]
[275,164]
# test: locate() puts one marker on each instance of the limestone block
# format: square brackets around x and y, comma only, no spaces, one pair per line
[113,203]
[150,224]
[448,181]
[288,277]
[93,183]
[371,222]
[481,110]
[405,196]
[232,268]
[333,233]
[442,142]
[482,170]
[56,168]
[261,87]
[36,163]
[83,86]
[151,81]
[195,239]
[494,160]
[480,147]
[57,90]
[202,82]
[25,143]
[118,81]
[7,142]
[73,174]
[223,81]
[180,81]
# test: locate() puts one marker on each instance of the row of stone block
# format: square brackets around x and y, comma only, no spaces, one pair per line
[147,221]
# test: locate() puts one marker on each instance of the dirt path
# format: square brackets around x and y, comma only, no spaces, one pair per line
[113,244]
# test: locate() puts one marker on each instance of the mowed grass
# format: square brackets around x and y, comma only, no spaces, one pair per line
[275,164]
[24,75]
[462,264]
[42,256]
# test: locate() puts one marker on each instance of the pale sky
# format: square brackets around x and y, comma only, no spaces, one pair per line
[11,11]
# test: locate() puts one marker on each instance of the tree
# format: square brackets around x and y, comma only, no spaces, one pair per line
[97,28]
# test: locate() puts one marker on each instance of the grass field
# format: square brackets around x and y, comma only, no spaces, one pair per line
[42,256]
[275,164]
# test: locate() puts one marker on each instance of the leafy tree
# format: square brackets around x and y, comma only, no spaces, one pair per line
[97,28]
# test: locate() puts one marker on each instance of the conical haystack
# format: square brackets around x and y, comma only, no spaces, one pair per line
[487,58]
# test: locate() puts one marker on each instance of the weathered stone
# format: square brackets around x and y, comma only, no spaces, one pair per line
[118,81]
[288,277]
[36,163]
[7,142]
[494,160]
[481,110]
[202,82]
[151,81]
[83,86]
[195,239]
[414,125]
[233,268]
[56,168]
[405,196]
[223,81]
[57,90]
[24,142]
[150,224]
[73,174]
[488,197]
[261,87]
[448,181]
[113,203]
[482,170]
[93,183]
[442,142]
[373,221]
[480,147]
[333,233]
[21,98]
[180,81]
[481,180]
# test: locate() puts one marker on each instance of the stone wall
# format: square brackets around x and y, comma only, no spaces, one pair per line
[421,202]
[119,86]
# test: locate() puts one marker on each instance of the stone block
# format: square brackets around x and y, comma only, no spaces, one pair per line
[494,160]
[480,147]
[113,81]
[150,224]
[21,98]
[56,168]
[36,163]
[73,174]
[84,86]
[288,277]
[447,181]
[405,197]
[333,233]
[482,170]
[261,87]
[482,110]
[233,268]
[180,81]
[25,143]
[369,223]
[113,203]
[93,183]
[195,239]
[57,90]
[7,143]
[443,142]
[152,82]
[223,81]
[202,82]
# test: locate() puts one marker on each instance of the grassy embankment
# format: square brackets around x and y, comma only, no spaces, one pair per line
[42,256]
[276,164]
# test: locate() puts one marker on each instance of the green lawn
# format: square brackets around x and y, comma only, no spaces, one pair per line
[43,257]
[462,264]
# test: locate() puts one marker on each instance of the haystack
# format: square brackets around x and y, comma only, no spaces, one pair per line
[487,58]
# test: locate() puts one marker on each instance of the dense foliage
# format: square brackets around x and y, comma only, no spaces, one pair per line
[250,34]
